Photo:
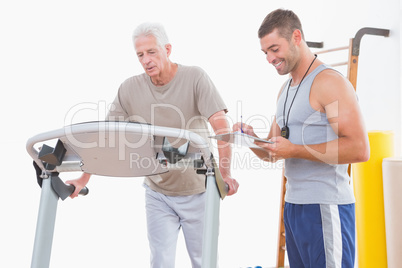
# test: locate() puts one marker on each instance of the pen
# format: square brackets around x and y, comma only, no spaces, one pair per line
[241,123]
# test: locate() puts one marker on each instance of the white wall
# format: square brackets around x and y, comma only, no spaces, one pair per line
[56,55]
[380,70]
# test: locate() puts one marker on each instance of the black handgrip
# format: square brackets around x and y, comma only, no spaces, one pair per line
[63,190]
[84,191]
[71,189]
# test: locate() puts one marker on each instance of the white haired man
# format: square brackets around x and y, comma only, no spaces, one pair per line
[171,95]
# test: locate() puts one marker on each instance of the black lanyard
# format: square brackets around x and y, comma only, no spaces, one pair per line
[285,129]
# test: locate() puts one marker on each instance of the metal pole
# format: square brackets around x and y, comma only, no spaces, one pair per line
[45,226]
[211,223]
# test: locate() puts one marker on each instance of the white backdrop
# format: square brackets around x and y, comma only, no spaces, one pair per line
[62,62]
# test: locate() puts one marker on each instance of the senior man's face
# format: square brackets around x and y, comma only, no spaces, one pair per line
[153,58]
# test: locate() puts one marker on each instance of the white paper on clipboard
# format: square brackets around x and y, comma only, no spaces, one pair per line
[239,138]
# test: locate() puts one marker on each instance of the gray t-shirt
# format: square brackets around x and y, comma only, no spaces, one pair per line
[186,102]
[311,182]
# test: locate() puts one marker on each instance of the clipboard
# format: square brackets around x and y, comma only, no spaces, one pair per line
[239,138]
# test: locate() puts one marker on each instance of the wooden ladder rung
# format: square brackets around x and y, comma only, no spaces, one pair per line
[339,64]
[331,50]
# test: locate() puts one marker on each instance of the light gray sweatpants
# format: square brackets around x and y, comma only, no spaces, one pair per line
[165,216]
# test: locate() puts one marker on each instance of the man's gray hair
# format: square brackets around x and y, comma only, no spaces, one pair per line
[154,29]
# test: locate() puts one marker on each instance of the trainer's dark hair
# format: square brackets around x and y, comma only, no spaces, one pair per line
[286,21]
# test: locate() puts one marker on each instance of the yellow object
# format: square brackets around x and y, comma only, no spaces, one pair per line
[368,189]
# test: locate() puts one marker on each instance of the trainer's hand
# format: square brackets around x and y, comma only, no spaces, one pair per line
[241,127]
[281,148]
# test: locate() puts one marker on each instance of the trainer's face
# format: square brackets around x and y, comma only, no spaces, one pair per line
[279,52]
[153,58]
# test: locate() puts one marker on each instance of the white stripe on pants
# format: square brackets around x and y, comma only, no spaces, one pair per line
[331,228]
[165,216]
